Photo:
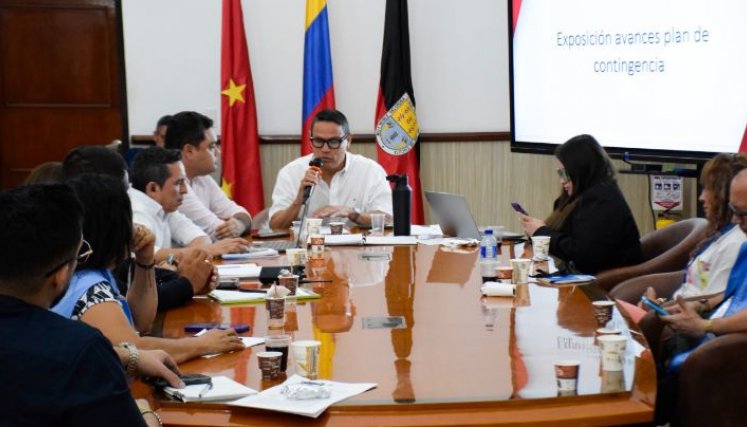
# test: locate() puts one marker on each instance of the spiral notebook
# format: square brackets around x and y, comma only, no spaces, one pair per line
[222,389]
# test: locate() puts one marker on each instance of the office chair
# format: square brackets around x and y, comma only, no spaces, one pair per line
[664,250]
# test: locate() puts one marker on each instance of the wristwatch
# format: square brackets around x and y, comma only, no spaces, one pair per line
[133,356]
[354,215]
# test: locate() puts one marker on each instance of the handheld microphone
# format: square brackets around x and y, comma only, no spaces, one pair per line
[314,164]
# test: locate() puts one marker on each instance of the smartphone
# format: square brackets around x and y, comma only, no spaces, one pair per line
[197,327]
[654,306]
[228,284]
[517,207]
[188,379]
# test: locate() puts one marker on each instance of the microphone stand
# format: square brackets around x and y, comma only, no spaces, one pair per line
[299,239]
[303,223]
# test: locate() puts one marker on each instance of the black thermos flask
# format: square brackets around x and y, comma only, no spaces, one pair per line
[401,203]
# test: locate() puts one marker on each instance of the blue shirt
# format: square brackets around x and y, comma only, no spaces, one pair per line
[58,372]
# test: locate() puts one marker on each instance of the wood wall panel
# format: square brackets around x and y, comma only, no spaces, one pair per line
[50,70]
[59,81]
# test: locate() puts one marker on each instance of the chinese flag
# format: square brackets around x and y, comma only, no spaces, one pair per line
[318,87]
[242,176]
[397,128]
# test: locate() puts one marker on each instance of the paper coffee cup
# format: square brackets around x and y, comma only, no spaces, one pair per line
[613,352]
[270,364]
[520,273]
[541,247]
[603,311]
[566,373]
[306,355]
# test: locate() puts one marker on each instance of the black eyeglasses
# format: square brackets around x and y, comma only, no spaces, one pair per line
[563,174]
[736,212]
[332,143]
[84,252]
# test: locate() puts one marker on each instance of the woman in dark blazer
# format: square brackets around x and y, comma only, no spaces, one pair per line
[591,228]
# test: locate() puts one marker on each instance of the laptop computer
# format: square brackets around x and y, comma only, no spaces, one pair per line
[453,214]
[278,245]
[455,217]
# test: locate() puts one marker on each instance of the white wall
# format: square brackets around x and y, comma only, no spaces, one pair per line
[459,61]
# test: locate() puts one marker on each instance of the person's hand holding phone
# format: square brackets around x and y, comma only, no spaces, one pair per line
[686,319]
[654,306]
[158,364]
[528,223]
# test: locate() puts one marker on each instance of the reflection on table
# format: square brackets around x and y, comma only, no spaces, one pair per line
[455,358]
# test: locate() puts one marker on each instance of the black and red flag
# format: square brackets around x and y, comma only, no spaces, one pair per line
[397,127]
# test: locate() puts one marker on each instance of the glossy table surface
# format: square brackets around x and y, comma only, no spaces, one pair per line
[460,359]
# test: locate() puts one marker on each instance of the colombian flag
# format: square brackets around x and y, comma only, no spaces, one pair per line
[242,176]
[318,89]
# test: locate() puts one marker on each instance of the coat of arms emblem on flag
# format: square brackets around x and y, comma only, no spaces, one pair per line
[397,131]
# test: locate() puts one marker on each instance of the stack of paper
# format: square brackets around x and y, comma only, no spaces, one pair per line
[223,389]
[274,400]
[253,253]
[343,239]
[431,231]
[497,289]
[359,239]
[241,271]
[238,297]
[391,240]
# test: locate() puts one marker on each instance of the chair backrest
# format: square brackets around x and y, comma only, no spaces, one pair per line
[664,250]
[712,386]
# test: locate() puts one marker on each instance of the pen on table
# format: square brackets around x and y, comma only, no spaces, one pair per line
[314,281]
[207,388]
[254,291]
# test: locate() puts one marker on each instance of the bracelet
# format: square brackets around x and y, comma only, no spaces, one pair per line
[708,327]
[133,356]
[155,414]
[145,266]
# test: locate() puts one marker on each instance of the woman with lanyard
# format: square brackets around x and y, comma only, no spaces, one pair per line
[691,324]
[711,262]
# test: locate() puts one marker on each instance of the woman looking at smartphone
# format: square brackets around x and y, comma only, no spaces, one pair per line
[591,227]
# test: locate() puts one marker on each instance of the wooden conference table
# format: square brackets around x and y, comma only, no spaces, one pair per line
[459,359]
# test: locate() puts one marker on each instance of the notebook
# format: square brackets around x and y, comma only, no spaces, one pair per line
[238,297]
[222,389]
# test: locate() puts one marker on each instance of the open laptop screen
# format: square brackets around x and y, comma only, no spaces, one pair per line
[454,215]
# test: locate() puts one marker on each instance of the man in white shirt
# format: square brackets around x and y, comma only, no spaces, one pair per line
[158,187]
[347,185]
[204,202]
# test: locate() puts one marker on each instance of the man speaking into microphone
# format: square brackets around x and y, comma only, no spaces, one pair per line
[346,185]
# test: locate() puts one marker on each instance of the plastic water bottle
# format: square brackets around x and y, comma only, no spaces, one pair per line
[488,246]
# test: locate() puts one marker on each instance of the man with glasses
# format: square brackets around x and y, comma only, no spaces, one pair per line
[204,202]
[346,186]
[56,371]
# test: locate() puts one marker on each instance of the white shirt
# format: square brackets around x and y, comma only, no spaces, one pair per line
[205,204]
[171,229]
[360,184]
[709,272]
